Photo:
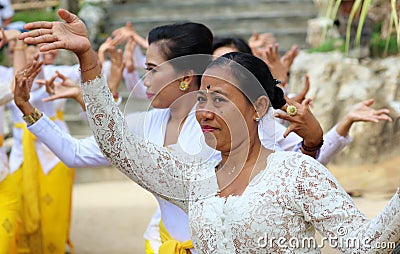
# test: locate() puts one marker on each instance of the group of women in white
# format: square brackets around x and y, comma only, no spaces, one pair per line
[223,168]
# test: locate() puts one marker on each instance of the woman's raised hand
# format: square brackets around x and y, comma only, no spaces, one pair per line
[303,123]
[23,84]
[70,35]
[362,112]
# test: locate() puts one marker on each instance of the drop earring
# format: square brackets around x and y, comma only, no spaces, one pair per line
[183,85]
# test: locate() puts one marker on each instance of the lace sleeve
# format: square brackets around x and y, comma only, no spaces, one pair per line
[331,210]
[152,167]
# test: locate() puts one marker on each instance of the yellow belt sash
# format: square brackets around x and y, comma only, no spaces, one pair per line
[30,187]
[170,245]
[1,140]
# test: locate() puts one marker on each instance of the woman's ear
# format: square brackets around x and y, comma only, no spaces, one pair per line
[185,81]
[261,106]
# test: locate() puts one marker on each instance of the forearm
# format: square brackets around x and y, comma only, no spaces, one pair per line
[90,69]
[343,126]
[326,205]
[142,161]
[333,144]
[75,153]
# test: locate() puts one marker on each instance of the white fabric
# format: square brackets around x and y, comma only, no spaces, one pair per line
[333,144]
[132,80]
[139,59]
[70,71]
[135,84]
[4,169]
[6,12]
[73,152]
[7,76]
[152,233]
[292,197]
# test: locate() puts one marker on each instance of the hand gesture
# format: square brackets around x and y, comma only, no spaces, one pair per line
[257,42]
[127,57]
[70,35]
[362,112]
[288,58]
[23,83]
[123,34]
[302,122]
[117,67]
[104,48]
[8,35]
[271,57]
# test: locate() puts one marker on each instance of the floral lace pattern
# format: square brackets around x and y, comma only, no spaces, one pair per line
[281,206]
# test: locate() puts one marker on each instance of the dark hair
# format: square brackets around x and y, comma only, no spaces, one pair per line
[250,72]
[184,39]
[234,42]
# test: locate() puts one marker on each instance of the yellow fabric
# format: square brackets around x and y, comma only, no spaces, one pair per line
[149,250]
[46,202]
[10,204]
[170,245]
[55,210]
[30,188]
[1,140]
[60,115]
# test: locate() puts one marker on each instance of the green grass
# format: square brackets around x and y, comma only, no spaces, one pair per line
[35,15]
[329,46]
[378,45]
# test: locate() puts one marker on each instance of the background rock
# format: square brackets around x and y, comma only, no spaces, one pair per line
[337,83]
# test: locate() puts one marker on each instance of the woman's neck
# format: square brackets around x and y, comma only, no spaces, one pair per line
[181,107]
[246,153]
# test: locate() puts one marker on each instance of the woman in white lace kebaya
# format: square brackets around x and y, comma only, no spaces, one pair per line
[253,200]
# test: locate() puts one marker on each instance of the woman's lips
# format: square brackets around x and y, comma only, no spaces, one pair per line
[149,95]
[207,128]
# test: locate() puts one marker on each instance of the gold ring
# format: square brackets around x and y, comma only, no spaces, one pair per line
[291,110]
[24,73]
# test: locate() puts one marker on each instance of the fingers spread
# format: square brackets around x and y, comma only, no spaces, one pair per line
[36,25]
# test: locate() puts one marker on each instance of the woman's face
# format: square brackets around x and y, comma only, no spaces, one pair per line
[225,115]
[161,79]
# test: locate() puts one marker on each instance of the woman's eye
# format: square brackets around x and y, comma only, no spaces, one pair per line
[219,99]
[201,99]
[150,69]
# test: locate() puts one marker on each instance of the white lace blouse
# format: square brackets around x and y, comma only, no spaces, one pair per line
[277,213]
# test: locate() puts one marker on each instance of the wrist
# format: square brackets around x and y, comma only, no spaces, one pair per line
[25,107]
[86,56]
[311,147]
[33,117]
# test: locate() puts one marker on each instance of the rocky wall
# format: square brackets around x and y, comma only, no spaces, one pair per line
[337,83]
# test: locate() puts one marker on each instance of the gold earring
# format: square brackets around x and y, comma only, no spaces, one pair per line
[183,85]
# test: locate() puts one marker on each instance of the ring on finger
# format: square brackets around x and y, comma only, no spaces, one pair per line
[291,110]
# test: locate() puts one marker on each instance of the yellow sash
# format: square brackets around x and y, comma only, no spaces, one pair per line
[1,140]
[60,115]
[170,245]
[30,187]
